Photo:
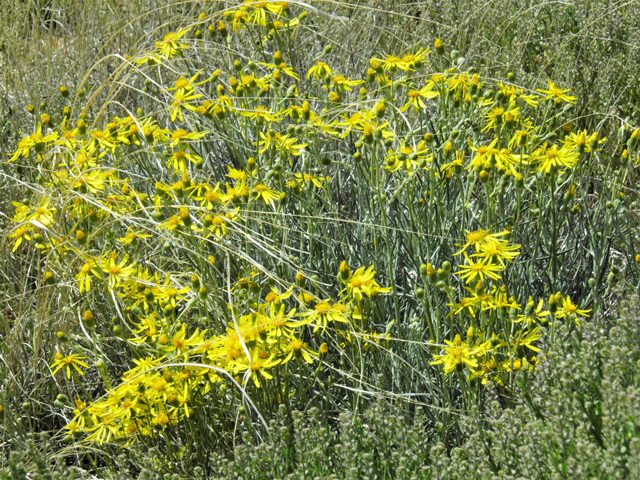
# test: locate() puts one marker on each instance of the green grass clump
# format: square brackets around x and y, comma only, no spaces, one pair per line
[233,224]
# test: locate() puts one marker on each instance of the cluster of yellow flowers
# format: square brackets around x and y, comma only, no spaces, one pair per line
[152,396]
[111,196]
[495,344]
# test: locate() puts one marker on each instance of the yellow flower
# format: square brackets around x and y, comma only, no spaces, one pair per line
[170,294]
[303,178]
[178,160]
[36,140]
[319,71]
[182,86]
[362,283]
[278,324]
[478,238]
[180,135]
[205,194]
[343,83]
[182,344]
[132,236]
[569,308]
[557,93]
[392,62]
[326,312]
[117,271]
[74,360]
[104,429]
[84,276]
[533,315]
[180,102]
[298,349]
[142,365]
[260,113]
[260,362]
[282,67]
[416,96]
[281,143]
[526,339]
[497,115]
[467,305]
[43,213]
[19,234]
[494,248]
[521,137]
[457,355]
[169,45]
[483,154]
[581,141]
[551,158]
[478,269]
[268,196]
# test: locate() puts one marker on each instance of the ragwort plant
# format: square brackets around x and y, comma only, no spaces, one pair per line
[574,417]
[263,234]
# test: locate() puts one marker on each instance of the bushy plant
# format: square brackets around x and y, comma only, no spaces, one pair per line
[271,230]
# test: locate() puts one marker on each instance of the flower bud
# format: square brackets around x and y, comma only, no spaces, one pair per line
[277,58]
[439,46]
[528,310]
[222,29]
[424,271]
[376,65]
[471,333]
[62,337]
[448,150]
[306,111]
[553,307]
[345,273]
[81,237]
[203,293]
[88,319]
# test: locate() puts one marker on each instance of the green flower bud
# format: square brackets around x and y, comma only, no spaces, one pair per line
[88,320]
[203,293]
